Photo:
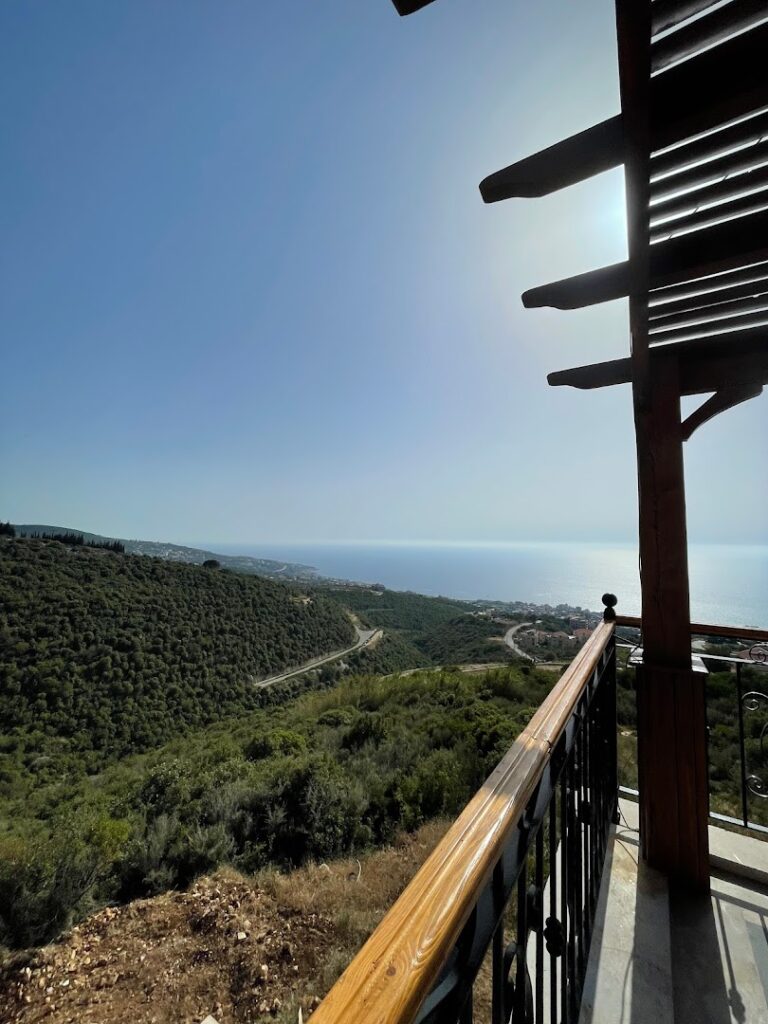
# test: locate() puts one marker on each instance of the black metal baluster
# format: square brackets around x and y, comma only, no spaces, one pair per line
[613,763]
[538,879]
[573,876]
[553,855]
[467,1010]
[521,981]
[600,760]
[594,802]
[604,771]
[742,750]
[586,808]
[577,880]
[498,1016]
[564,909]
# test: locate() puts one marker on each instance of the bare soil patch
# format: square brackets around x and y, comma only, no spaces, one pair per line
[239,949]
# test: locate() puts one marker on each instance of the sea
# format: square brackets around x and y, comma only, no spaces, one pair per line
[729,583]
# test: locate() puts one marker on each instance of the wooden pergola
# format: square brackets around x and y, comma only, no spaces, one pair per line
[692,136]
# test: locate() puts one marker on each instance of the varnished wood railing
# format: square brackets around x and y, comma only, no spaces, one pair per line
[400,964]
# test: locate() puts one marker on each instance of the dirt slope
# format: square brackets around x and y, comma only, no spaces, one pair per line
[241,950]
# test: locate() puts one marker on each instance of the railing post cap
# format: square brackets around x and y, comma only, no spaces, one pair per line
[610,601]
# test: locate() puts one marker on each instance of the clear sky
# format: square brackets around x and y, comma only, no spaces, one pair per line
[249,292]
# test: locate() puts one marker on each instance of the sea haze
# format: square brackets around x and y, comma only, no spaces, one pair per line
[729,583]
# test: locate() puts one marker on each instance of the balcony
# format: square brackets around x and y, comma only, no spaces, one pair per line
[538,905]
[662,956]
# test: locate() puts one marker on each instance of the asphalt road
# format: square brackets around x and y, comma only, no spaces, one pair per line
[509,640]
[364,638]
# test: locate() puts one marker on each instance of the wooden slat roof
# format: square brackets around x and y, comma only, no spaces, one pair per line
[707,125]
[694,140]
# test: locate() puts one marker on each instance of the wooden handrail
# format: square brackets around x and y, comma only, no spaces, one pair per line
[394,972]
[733,632]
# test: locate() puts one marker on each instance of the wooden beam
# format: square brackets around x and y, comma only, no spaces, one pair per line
[704,366]
[718,248]
[718,327]
[712,28]
[732,162]
[574,159]
[723,398]
[672,766]
[672,760]
[725,193]
[711,304]
[717,86]
[744,133]
[581,290]
[410,6]
[678,111]
[668,13]
[692,223]
[596,375]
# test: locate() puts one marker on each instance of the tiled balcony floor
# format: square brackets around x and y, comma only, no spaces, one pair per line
[661,957]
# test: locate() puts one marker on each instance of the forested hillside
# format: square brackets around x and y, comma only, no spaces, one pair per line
[400,610]
[422,631]
[172,552]
[336,771]
[108,654]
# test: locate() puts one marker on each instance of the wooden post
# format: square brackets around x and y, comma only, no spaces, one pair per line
[672,759]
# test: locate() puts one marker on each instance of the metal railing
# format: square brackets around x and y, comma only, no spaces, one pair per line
[741,783]
[525,859]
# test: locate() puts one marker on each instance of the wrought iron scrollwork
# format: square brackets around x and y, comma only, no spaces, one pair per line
[758,653]
[554,936]
[750,702]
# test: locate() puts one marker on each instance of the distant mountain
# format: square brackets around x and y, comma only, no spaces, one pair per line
[190,556]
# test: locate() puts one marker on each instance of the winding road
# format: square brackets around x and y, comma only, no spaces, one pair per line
[365,637]
[509,640]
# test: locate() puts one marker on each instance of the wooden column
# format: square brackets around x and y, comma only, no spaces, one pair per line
[672,759]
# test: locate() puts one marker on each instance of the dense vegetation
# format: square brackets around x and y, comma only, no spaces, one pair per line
[393,653]
[103,655]
[399,610]
[723,745]
[428,630]
[334,772]
[77,540]
[467,639]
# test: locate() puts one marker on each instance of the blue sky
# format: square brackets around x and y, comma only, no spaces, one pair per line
[250,293]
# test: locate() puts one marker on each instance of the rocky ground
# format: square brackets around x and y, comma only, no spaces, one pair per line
[223,948]
[240,950]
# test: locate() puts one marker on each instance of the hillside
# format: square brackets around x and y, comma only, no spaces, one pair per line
[183,553]
[333,773]
[237,948]
[422,631]
[105,654]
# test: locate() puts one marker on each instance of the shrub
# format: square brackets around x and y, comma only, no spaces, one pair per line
[437,786]
[370,727]
[45,885]
[283,742]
